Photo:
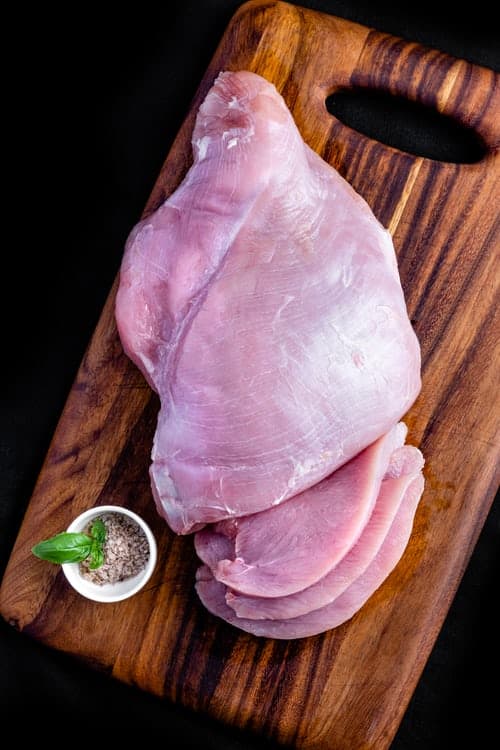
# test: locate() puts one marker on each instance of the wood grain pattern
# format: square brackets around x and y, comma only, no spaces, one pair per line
[347,688]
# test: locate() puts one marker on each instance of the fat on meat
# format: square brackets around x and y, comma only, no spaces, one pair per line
[262,302]
[293,545]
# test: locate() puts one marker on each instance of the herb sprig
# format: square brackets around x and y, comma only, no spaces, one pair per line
[69,546]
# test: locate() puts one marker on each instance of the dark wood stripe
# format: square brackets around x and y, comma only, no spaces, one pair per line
[453,387]
[466,284]
[445,321]
[444,198]
[471,355]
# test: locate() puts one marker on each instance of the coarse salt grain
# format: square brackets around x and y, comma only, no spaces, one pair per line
[126,550]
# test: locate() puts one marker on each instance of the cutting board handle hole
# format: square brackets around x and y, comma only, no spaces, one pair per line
[406,125]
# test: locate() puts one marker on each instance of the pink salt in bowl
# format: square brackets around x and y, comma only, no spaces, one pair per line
[87,583]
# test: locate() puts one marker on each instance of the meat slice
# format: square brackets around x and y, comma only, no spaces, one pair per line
[212,593]
[352,565]
[287,548]
[262,302]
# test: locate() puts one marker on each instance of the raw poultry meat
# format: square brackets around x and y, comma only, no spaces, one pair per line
[340,577]
[291,546]
[262,302]
[406,492]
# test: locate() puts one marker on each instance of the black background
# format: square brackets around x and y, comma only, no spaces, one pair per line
[94,103]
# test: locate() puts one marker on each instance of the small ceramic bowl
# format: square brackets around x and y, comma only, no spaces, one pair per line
[110,592]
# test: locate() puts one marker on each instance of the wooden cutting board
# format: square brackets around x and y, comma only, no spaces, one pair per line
[347,688]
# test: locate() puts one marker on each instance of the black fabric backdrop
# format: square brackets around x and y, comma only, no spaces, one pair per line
[95,105]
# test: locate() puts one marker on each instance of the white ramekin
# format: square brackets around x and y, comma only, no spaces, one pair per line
[110,592]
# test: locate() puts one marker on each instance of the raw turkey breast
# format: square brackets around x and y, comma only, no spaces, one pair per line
[262,302]
[402,492]
[342,573]
[286,548]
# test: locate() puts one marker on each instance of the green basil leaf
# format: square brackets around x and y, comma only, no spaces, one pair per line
[96,556]
[98,531]
[64,548]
